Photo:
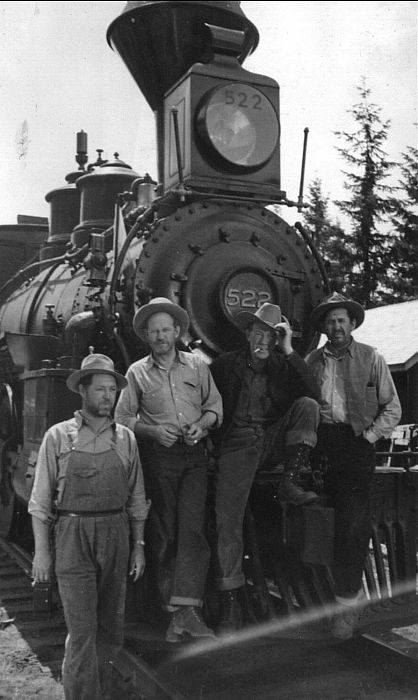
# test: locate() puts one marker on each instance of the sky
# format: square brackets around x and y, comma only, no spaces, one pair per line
[58,75]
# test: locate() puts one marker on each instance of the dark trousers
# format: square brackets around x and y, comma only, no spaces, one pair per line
[176,482]
[243,452]
[347,480]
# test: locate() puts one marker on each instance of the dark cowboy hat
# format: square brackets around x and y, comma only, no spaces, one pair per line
[155,306]
[95,364]
[268,314]
[334,301]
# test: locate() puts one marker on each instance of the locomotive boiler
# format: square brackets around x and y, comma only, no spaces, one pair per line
[205,235]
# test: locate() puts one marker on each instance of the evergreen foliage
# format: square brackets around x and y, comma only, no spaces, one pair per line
[373,258]
[368,249]
[404,265]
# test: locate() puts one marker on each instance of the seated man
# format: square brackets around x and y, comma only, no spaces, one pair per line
[270,417]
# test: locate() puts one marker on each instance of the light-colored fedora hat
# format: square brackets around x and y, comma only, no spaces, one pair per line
[268,314]
[335,301]
[95,364]
[156,306]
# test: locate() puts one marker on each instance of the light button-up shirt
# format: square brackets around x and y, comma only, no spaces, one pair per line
[175,398]
[334,406]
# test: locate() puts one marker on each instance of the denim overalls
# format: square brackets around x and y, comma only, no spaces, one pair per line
[92,553]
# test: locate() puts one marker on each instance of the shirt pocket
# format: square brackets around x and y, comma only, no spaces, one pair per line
[191,390]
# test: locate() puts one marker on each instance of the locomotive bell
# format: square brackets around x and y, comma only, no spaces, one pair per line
[160,41]
[144,191]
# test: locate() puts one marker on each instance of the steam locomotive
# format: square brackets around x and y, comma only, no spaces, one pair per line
[206,236]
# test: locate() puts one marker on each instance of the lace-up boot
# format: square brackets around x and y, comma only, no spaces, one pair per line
[187,622]
[289,490]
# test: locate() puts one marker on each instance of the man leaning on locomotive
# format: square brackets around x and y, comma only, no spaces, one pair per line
[359,404]
[270,422]
[171,402]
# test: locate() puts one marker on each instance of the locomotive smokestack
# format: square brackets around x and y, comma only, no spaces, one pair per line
[160,41]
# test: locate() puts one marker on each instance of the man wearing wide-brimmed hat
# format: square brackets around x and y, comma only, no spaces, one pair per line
[171,402]
[89,484]
[359,405]
[270,420]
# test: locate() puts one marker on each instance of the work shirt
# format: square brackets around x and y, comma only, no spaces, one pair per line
[254,404]
[357,389]
[334,407]
[77,434]
[175,397]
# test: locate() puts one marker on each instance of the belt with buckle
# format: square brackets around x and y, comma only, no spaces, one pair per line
[181,441]
[88,513]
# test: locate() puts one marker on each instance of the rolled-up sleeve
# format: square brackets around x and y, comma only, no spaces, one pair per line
[127,407]
[44,485]
[137,505]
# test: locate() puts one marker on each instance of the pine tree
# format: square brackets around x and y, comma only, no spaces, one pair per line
[370,204]
[315,215]
[327,236]
[404,267]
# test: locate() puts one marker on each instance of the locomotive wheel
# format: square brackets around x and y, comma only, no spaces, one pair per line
[217,259]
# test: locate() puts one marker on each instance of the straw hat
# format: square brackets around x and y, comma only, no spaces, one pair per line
[155,306]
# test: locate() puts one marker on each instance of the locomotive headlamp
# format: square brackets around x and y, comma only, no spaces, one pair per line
[238,125]
[226,131]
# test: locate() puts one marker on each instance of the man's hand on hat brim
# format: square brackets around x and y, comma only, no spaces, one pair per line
[284,336]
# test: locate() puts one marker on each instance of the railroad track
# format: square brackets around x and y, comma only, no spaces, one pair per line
[297,664]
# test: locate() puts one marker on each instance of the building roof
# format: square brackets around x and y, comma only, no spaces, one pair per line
[393,331]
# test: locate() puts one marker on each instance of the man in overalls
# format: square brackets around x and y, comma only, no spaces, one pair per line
[89,483]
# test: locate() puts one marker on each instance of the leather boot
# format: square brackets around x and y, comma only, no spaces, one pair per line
[187,622]
[289,490]
[230,619]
